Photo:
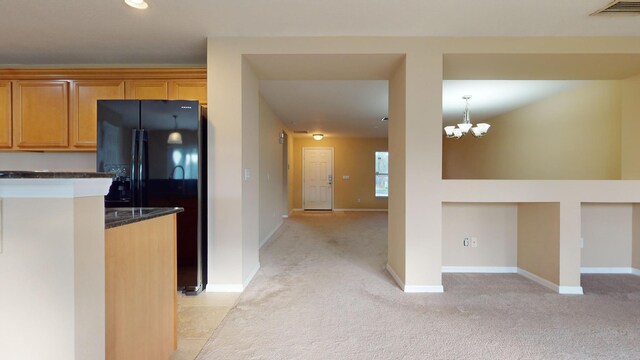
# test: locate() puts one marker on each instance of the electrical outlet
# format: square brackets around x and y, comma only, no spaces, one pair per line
[247,174]
[581,243]
[345,177]
[465,242]
[474,242]
[358,199]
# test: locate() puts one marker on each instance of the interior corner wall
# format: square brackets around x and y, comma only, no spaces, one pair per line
[273,193]
[539,240]
[251,172]
[353,157]
[573,135]
[225,183]
[494,225]
[607,233]
[635,251]
[396,247]
[630,128]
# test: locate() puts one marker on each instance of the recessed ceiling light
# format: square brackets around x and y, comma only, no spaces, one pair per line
[138,4]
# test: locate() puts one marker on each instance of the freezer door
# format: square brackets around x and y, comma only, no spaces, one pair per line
[118,121]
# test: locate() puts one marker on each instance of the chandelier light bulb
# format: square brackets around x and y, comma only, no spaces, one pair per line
[465,126]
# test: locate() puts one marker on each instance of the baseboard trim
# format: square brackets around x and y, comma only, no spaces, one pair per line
[606,270]
[414,288]
[565,290]
[233,288]
[250,277]
[635,271]
[480,269]
[570,290]
[225,288]
[382,210]
[269,237]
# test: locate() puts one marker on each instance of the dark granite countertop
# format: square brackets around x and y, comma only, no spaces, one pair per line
[10,174]
[114,217]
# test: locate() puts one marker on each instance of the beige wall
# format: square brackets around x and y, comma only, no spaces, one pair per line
[354,157]
[635,261]
[494,226]
[415,220]
[30,161]
[251,172]
[630,128]
[606,230]
[572,135]
[539,240]
[396,249]
[273,191]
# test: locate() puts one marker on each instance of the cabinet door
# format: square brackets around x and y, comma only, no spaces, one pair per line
[84,97]
[41,114]
[147,89]
[188,90]
[5,114]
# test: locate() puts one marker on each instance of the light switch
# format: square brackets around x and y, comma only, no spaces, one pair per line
[345,177]
[247,174]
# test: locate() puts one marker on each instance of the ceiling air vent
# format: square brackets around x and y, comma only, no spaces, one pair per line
[620,7]
[300,131]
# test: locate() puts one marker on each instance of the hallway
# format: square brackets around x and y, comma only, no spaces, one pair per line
[323,293]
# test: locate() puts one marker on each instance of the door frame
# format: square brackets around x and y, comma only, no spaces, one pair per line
[333,184]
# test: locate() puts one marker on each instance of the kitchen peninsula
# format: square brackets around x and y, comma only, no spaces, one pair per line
[71,290]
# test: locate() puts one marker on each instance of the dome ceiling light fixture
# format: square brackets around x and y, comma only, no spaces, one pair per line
[318,136]
[457,132]
[138,4]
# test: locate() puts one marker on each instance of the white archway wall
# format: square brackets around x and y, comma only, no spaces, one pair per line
[417,193]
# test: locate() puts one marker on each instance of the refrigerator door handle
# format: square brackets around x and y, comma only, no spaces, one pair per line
[142,166]
[134,167]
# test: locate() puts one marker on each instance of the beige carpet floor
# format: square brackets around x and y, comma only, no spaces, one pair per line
[323,293]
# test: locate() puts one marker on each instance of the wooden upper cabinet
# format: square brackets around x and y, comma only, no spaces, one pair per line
[41,114]
[188,90]
[5,114]
[84,113]
[147,89]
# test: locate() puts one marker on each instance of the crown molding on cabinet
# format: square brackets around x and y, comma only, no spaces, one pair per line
[104,73]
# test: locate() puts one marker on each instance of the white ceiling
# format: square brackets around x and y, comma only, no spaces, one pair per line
[336,108]
[175,32]
[170,32]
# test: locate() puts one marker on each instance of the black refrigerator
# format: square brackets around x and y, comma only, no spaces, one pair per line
[157,150]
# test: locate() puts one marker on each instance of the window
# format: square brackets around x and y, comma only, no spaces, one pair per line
[382,173]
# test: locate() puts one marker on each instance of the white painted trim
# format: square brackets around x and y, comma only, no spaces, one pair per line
[570,290]
[383,210]
[395,277]
[250,277]
[480,269]
[414,288]
[565,290]
[424,289]
[538,279]
[225,288]
[269,237]
[606,270]
[54,188]
[233,288]
[635,271]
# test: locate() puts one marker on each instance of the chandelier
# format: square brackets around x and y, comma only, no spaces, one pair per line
[457,132]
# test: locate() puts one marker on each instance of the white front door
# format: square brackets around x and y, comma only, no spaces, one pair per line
[317,178]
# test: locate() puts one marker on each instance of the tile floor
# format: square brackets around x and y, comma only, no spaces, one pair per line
[198,317]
